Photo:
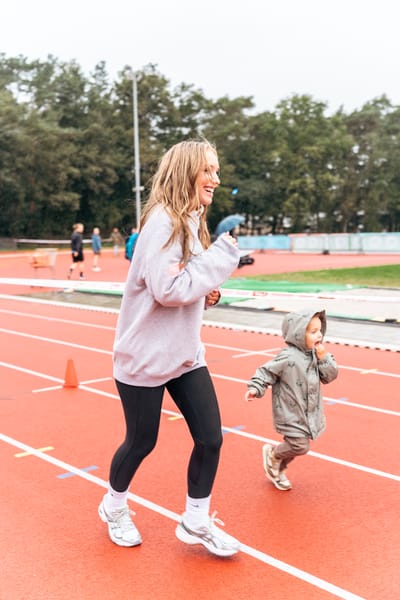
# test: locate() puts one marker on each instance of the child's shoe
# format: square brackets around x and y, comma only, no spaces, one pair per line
[283,482]
[271,464]
[271,468]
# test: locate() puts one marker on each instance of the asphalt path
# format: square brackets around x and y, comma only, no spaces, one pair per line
[385,336]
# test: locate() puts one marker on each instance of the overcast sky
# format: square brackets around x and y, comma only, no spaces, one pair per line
[342,52]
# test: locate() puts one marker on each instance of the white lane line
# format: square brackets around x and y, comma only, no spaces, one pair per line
[216,375]
[57,319]
[372,344]
[233,430]
[41,338]
[337,461]
[253,552]
[90,307]
[272,352]
[244,352]
[219,325]
[384,411]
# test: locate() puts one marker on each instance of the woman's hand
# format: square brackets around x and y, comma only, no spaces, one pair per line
[213,297]
[230,239]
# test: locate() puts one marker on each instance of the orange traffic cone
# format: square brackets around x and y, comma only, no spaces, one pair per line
[71,380]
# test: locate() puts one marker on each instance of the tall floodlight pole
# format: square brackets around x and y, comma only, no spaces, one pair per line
[137,187]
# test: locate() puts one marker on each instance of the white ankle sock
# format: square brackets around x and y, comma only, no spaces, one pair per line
[114,500]
[197,510]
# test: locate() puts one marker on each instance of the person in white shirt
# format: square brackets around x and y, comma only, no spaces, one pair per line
[175,273]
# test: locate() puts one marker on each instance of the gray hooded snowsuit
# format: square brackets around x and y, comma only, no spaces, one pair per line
[295,375]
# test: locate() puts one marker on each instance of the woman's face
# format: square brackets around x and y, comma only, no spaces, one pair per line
[208,178]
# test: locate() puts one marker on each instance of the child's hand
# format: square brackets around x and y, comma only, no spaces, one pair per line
[250,395]
[320,350]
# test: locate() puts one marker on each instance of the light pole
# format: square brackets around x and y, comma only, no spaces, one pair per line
[137,188]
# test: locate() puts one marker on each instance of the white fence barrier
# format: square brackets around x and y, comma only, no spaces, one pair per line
[378,243]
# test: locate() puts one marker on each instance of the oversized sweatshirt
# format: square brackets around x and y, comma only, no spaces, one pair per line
[295,375]
[158,330]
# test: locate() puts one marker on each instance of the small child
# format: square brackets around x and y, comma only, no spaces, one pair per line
[295,375]
[96,247]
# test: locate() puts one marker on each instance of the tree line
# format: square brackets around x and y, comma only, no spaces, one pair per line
[66,153]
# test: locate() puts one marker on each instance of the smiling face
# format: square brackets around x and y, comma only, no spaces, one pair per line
[208,178]
[313,333]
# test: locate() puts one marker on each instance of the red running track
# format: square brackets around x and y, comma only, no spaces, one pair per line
[115,268]
[334,535]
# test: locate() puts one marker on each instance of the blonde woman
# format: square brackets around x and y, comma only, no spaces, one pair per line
[174,274]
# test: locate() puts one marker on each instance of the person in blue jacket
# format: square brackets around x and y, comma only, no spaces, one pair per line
[174,275]
[96,247]
[130,243]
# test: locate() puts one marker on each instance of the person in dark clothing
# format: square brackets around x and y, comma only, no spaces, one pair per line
[77,251]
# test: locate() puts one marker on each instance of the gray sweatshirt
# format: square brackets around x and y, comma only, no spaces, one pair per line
[159,324]
[295,375]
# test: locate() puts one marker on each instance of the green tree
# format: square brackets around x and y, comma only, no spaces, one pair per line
[66,152]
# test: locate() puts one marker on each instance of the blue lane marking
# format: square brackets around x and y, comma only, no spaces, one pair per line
[228,430]
[70,474]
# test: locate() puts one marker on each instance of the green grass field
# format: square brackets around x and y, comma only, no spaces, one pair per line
[387,276]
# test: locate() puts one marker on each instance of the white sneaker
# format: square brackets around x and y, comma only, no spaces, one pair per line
[216,541]
[121,528]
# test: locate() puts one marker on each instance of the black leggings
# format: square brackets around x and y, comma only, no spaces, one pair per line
[194,395]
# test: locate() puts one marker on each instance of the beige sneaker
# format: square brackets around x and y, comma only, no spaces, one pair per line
[283,482]
[271,464]
[271,468]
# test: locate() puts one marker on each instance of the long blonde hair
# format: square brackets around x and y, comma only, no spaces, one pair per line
[174,188]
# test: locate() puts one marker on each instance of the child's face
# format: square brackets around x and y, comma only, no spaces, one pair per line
[313,333]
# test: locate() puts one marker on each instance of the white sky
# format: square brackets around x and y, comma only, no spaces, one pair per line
[343,52]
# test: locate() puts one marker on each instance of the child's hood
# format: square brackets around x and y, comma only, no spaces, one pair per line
[295,324]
